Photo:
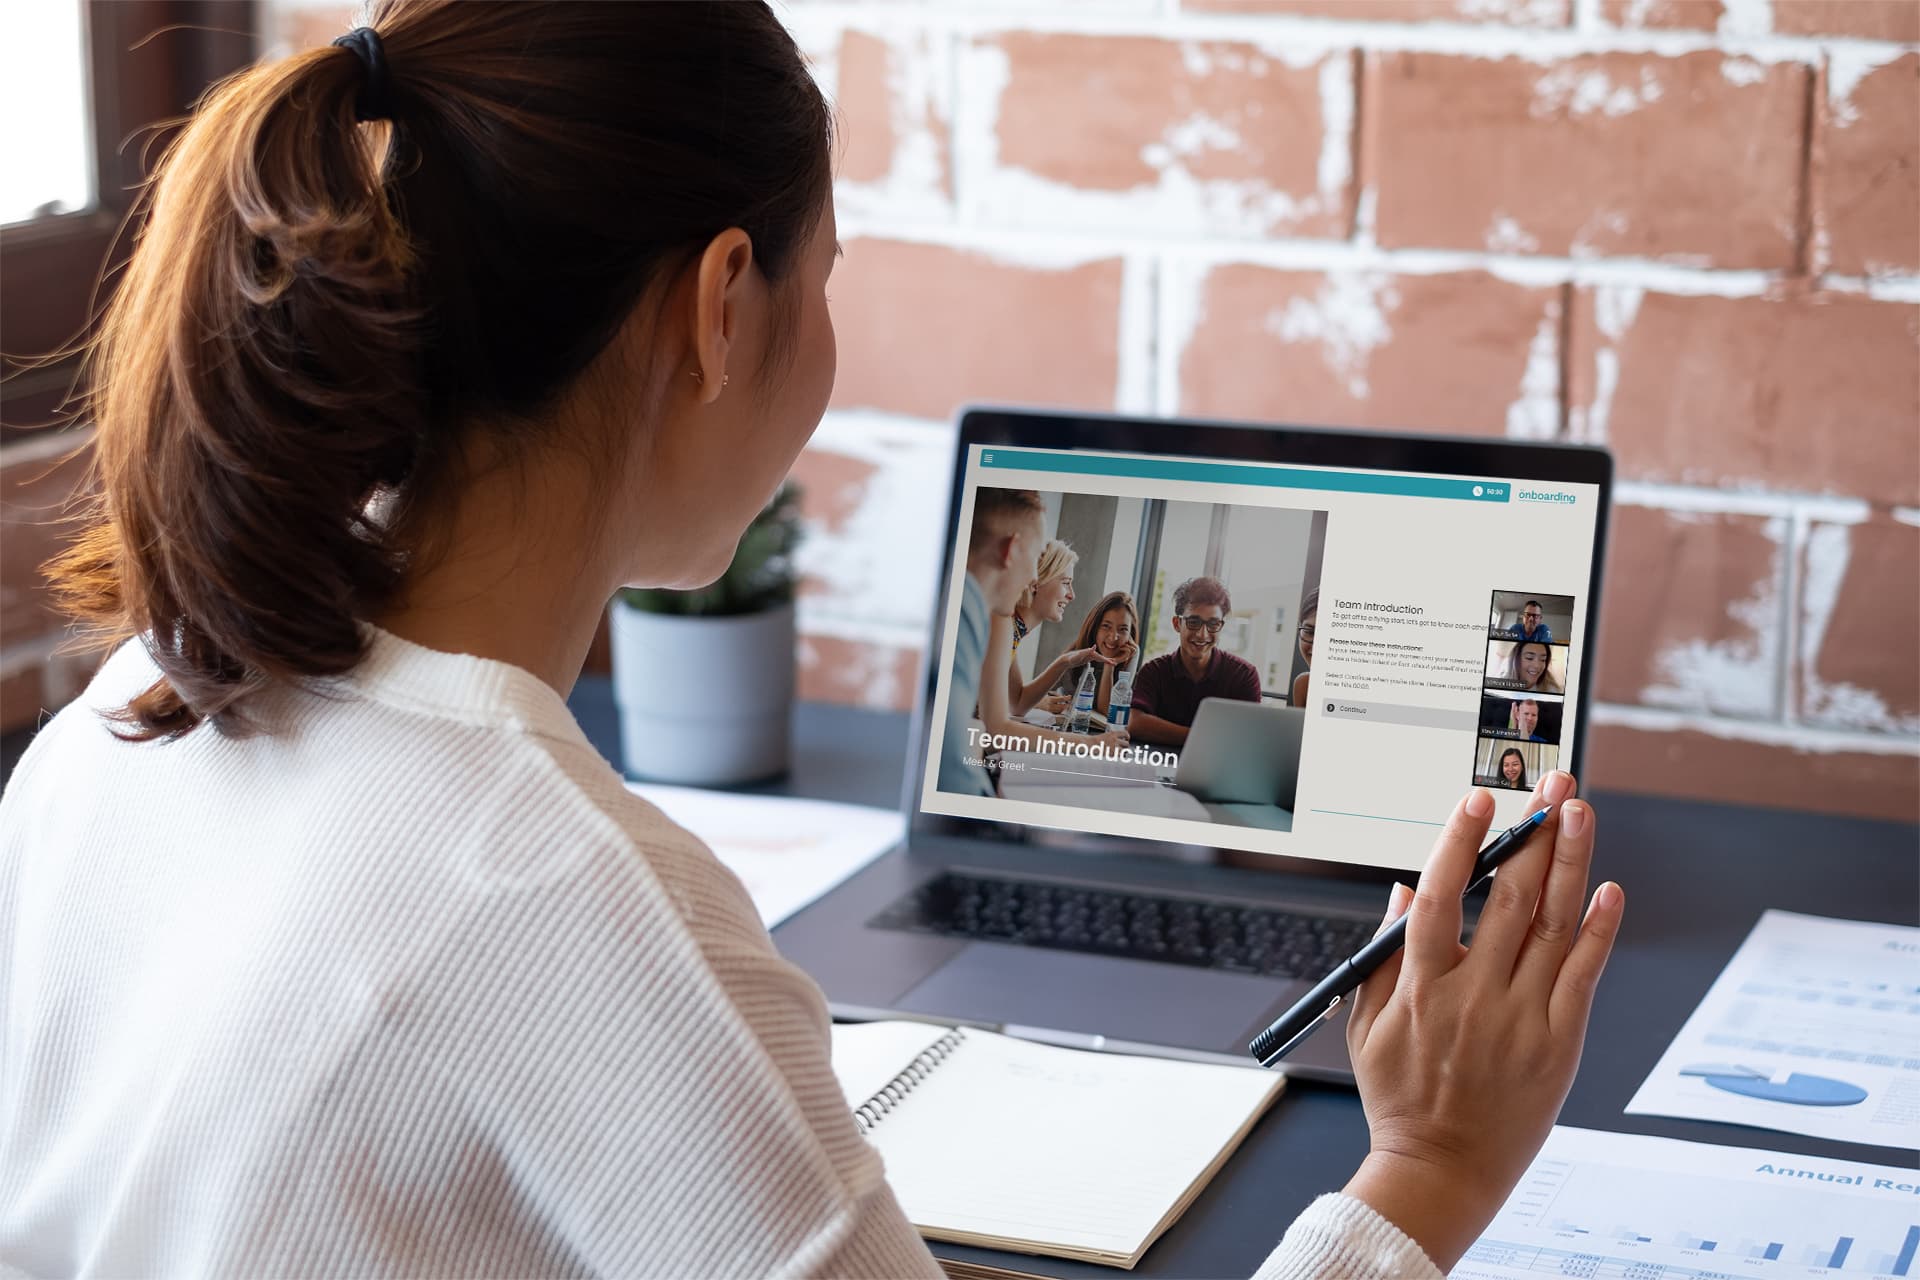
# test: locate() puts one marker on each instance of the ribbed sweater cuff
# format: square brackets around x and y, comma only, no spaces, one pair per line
[1341,1238]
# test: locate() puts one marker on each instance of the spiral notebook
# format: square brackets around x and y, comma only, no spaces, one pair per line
[1006,1144]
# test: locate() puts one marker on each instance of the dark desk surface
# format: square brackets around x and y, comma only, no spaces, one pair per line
[1697,877]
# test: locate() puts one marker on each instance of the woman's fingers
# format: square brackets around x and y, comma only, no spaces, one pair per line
[1572,998]
[1433,923]
[1556,920]
[1372,995]
[1504,921]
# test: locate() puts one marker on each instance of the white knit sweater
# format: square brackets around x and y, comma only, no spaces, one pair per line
[410,984]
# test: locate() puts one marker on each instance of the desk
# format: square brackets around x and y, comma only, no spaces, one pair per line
[1697,877]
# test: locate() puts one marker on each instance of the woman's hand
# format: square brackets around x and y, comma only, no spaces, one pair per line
[1077,657]
[1465,1054]
[1054,703]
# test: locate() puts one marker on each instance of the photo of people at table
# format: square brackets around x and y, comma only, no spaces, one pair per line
[1106,622]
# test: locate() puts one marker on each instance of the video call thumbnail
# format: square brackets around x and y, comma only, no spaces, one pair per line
[1513,766]
[1521,716]
[1161,656]
[1521,615]
[1526,666]
[1523,700]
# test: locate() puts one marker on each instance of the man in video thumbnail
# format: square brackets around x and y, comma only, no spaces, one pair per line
[1168,691]
[1002,552]
[1530,627]
[1525,718]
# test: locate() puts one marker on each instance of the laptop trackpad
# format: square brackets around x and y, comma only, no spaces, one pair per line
[1098,995]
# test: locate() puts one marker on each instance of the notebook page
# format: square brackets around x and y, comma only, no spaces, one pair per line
[1087,1151]
[868,1054]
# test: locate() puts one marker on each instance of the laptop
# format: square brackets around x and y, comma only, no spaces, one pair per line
[1173,897]
[1245,753]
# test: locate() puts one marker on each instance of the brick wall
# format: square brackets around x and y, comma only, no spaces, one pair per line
[1688,229]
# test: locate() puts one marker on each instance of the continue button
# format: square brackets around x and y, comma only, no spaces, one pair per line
[1396,713]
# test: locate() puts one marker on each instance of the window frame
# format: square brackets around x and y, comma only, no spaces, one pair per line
[148,62]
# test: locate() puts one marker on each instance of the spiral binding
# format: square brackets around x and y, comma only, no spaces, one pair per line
[874,1109]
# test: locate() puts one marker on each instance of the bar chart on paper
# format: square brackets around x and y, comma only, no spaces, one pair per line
[1618,1205]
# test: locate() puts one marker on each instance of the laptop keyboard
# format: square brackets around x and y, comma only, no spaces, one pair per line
[1190,931]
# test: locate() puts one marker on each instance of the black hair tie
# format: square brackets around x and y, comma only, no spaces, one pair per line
[371,102]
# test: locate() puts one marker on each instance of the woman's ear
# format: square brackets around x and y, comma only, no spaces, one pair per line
[720,286]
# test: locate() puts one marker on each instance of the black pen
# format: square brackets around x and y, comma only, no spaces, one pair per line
[1319,1004]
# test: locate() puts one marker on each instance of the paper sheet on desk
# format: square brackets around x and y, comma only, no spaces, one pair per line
[1616,1204]
[787,852]
[1813,1027]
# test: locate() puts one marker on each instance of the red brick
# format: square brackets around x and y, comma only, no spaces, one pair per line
[1811,394]
[1518,13]
[34,526]
[1691,612]
[1699,766]
[1663,15]
[835,669]
[1124,113]
[875,116]
[1896,20]
[832,487]
[1859,627]
[1443,352]
[1869,157]
[923,329]
[1694,159]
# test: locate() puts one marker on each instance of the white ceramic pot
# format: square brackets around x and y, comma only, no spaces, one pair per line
[704,701]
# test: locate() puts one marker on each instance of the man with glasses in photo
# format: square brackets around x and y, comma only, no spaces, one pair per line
[1168,691]
[1530,629]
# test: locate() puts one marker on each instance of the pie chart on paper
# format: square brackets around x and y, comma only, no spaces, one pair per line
[1797,1089]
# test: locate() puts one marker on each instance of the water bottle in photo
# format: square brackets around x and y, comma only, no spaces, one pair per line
[1120,706]
[1083,700]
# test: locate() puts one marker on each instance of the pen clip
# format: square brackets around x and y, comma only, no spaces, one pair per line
[1303,1033]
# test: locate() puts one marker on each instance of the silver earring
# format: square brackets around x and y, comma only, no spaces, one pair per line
[701,378]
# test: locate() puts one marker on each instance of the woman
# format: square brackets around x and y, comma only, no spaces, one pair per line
[1046,600]
[1512,770]
[1531,664]
[1309,613]
[327,942]
[1108,639]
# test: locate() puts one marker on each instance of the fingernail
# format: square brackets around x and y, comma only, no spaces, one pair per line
[1480,803]
[1573,818]
[1558,786]
[1397,899]
[1608,896]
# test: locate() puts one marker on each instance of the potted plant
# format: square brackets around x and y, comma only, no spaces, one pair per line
[704,678]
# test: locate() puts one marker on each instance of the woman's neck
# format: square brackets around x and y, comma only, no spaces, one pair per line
[513,579]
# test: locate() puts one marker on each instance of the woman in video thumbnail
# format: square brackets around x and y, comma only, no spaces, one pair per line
[1513,770]
[1309,611]
[1111,636]
[1531,666]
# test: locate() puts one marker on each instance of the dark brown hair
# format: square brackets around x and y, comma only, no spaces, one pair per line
[996,511]
[321,314]
[1202,590]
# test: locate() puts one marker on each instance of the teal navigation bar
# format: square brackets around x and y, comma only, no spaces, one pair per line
[1099,464]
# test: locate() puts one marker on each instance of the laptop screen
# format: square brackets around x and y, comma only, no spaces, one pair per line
[1308,661]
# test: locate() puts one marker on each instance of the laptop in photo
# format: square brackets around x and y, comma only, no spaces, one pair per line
[1333,635]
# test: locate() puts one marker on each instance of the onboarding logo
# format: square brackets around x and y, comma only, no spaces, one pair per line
[1558,496]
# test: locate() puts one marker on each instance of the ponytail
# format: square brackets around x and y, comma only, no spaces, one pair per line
[318,308]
